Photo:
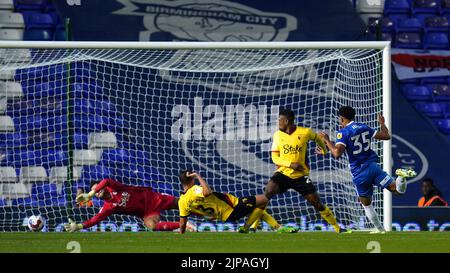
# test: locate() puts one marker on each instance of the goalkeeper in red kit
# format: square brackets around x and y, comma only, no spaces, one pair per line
[118,198]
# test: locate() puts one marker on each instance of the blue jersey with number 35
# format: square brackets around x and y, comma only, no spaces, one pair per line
[356,137]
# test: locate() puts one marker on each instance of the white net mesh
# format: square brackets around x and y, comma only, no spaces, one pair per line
[142,116]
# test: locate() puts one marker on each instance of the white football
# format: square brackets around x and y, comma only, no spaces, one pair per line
[36,223]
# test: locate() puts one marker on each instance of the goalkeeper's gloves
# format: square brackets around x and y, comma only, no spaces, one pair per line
[84,197]
[72,226]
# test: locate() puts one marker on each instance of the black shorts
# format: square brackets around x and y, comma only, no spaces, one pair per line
[243,208]
[303,185]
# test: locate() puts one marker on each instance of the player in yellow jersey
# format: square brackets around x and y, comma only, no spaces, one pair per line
[289,147]
[201,200]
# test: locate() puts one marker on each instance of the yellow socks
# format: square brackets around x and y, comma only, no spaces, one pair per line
[328,215]
[255,224]
[266,217]
[255,215]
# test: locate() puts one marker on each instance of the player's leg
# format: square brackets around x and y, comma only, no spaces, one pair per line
[259,203]
[153,222]
[306,188]
[364,182]
[272,188]
[400,184]
[324,210]
[255,225]
[278,184]
[371,214]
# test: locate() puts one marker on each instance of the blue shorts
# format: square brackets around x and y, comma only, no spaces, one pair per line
[371,175]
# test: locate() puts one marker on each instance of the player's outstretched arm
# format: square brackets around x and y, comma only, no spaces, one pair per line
[72,226]
[206,189]
[383,133]
[336,150]
[321,147]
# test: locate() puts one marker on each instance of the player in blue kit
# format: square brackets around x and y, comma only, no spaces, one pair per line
[355,139]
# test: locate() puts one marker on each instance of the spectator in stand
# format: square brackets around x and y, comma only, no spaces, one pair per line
[432,196]
[83,204]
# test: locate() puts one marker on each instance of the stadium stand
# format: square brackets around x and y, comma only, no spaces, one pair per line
[33,120]
[422,24]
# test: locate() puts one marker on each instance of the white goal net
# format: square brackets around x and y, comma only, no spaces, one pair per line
[141,116]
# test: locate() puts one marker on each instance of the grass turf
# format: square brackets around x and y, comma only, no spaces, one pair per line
[309,242]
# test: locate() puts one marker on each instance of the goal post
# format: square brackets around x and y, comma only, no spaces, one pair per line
[387,145]
[140,112]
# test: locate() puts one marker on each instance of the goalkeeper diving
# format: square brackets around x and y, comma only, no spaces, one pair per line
[200,200]
[142,202]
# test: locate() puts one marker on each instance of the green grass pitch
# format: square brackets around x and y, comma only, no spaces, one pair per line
[309,242]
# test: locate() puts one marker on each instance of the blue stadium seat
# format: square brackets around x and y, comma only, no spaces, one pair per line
[47,73]
[411,81]
[416,92]
[96,172]
[395,17]
[118,124]
[116,157]
[396,6]
[13,140]
[425,6]
[39,21]
[409,25]
[441,92]
[45,105]
[39,157]
[40,191]
[30,5]
[3,157]
[387,36]
[105,107]
[387,24]
[57,19]
[408,40]
[141,157]
[54,157]
[51,105]
[436,23]
[20,158]
[432,110]
[40,140]
[3,203]
[444,125]
[37,35]
[80,140]
[27,201]
[436,40]
[138,175]
[85,90]
[44,89]
[60,35]
[84,106]
[20,107]
[433,80]
[445,7]
[91,123]
[40,122]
